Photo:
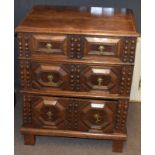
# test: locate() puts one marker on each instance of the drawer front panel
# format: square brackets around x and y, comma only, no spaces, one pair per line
[74,114]
[106,79]
[97,78]
[84,78]
[50,76]
[49,44]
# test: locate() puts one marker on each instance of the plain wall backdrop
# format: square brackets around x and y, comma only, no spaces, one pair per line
[21,7]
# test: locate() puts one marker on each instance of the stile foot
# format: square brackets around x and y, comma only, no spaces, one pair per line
[29,139]
[117,146]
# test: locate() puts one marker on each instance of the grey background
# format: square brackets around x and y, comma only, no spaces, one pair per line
[21,8]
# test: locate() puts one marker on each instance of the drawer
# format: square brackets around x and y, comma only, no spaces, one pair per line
[74,114]
[80,47]
[108,79]
[46,44]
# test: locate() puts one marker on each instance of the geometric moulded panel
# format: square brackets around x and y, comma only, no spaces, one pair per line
[48,113]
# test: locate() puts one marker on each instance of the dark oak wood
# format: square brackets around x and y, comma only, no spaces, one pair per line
[76,69]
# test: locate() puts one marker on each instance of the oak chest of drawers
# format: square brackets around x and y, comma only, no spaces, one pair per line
[76,66]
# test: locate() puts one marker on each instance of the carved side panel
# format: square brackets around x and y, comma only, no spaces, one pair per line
[25,73]
[75,47]
[126,80]
[27,112]
[121,116]
[129,50]
[24,45]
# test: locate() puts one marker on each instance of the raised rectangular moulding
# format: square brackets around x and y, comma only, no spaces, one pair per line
[117,49]
[96,46]
[49,44]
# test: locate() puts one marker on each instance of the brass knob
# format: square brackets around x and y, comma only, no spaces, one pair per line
[100,80]
[49,46]
[97,118]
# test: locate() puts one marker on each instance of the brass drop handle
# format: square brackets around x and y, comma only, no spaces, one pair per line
[100,80]
[50,78]
[97,118]
[49,46]
[49,114]
[101,48]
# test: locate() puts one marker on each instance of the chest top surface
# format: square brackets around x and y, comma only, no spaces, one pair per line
[79,20]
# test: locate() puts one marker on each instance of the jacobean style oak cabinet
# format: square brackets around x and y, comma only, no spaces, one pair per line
[76,66]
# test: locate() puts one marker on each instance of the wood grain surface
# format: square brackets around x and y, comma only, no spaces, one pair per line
[79,20]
